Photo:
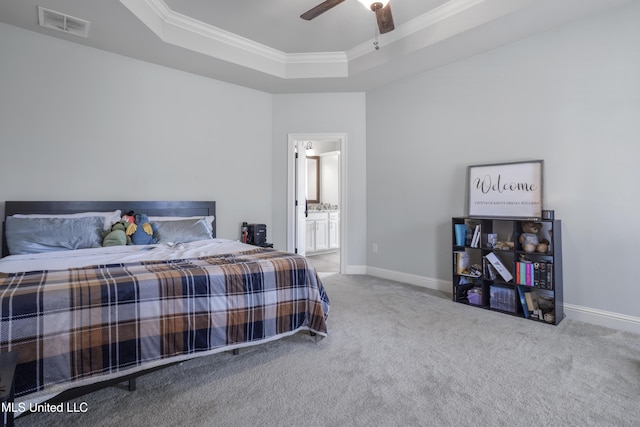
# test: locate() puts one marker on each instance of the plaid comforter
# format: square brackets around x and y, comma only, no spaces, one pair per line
[73,324]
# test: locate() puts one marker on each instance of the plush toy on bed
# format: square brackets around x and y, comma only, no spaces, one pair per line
[529,238]
[117,235]
[129,217]
[142,231]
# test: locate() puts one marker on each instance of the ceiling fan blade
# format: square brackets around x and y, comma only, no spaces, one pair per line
[385,19]
[320,9]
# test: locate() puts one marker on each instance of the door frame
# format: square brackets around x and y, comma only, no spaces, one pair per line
[291,185]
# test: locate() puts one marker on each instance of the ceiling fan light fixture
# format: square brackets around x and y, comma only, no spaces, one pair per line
[381,8]
[371,4]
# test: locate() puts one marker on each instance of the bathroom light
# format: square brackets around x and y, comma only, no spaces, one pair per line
[369,4]
[308,146]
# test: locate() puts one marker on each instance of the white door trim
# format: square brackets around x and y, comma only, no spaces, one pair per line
[291,209]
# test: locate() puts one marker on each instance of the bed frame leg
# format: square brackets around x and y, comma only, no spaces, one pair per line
[132,384]
[313,334]
[235,351]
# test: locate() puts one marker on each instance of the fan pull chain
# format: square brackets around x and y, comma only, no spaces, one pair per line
[376,33]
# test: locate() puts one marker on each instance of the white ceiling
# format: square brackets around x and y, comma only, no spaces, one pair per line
[263,44]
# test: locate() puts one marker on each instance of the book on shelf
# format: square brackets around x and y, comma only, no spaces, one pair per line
[523,273]
[462,261]
[521,276]
[529,273]
[549,284]
[491,273]
[537,274]
[475,240]
[523,302]
[499,266]
[542,278]
[532,301]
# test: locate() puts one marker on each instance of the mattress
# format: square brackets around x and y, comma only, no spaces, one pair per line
[82,316]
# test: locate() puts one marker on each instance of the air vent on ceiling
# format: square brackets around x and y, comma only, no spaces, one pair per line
[61,22]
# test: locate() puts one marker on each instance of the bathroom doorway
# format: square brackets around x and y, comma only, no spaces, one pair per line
[316,207]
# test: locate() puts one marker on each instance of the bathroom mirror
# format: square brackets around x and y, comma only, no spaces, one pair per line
[313,179]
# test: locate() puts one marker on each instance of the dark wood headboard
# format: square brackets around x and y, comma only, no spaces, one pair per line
[151,208]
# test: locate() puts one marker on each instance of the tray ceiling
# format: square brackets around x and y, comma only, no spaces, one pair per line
[266,46]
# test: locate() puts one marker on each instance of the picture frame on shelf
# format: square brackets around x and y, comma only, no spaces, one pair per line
[510,190]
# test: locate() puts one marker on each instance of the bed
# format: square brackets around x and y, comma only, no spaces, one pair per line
[82,316]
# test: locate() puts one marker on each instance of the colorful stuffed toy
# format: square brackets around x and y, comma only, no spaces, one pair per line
[129,217]
[116,236]
[142,231]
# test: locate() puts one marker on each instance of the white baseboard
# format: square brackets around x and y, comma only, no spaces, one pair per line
[412,279]
[595,316]
[355,269]
[608,319]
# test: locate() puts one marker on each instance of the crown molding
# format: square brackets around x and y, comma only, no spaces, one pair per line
[423,31]
[187,23]
[419,23]
[189,33]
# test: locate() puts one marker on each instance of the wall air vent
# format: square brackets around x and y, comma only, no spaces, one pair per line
[59,21]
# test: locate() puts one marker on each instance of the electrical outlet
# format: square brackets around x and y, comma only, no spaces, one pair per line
[374,248]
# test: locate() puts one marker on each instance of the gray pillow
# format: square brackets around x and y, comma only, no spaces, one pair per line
[188,230]
[35,235]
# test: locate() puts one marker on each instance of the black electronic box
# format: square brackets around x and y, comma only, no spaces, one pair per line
[257,234]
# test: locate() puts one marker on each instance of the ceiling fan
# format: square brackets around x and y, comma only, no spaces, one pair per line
[382,8]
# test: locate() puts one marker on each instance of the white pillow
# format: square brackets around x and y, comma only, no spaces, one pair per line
[207,219]
[184,231]
[109,218]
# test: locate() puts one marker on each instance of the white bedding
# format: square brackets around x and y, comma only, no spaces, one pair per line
[58,260]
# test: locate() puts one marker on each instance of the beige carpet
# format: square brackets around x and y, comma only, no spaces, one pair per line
[395,356]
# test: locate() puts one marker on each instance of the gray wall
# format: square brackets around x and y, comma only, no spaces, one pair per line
[571,97]
[324,113]
[78,123]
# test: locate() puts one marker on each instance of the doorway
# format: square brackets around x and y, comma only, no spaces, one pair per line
[316,225]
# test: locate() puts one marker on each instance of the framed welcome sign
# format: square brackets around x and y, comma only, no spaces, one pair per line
[506,189]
